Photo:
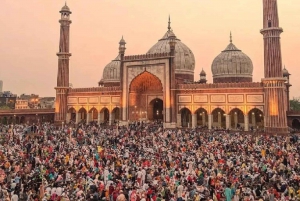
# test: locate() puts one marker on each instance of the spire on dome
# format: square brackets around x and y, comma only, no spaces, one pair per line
[122,41]
[65,8]
[169,24]
[230,37]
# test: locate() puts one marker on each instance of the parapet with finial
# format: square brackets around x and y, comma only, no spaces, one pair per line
[147,56]
[221,85]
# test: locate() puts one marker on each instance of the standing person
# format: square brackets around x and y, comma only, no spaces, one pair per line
[179,192]
[228,193]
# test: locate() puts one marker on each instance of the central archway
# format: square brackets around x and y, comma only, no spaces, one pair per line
[142,87]
[155,109]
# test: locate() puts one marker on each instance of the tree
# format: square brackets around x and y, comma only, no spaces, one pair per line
[295,104]
[4,107]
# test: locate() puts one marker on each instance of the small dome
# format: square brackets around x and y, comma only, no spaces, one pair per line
[65,8]
[202,73]
[232,65]
[285,72]
[111,72]
[184,57]
[122,41]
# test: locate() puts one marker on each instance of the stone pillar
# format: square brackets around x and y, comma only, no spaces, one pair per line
[209,121]
[203,119]
[246,120]
[228,121]
[88,117]
[110,118]
[253,120]
[235,120]
[92,116]
[194,120]
[99,118]
[178,120]
[219,119]
[77,118]
[68,117]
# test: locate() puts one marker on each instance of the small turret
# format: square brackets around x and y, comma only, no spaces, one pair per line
[202,77]
[65,12]
[122,47]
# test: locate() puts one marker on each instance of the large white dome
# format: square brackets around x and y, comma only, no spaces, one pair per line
[184,57]
[232,65]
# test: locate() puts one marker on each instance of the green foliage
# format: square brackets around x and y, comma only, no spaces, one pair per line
[295,104]
[4,107]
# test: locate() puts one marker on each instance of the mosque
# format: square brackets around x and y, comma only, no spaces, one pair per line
[160,85]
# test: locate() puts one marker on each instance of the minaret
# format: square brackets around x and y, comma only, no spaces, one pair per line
[63,66]
[274,82]
[122,49]
[172,43]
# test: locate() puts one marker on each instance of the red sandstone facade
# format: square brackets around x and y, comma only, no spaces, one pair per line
[159,86]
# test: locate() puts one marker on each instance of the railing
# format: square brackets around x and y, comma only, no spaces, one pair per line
[26,111]
[293,113]
[95,89]
[147,56]
[221,85]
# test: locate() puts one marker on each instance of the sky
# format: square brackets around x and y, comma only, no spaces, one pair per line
[29,36]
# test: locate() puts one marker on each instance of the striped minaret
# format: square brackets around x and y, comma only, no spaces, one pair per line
[275,96]
[63,66]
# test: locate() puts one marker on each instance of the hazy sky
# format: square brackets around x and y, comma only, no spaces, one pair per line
[29,36]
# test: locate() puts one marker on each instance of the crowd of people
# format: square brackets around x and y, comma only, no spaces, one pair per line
[145,162]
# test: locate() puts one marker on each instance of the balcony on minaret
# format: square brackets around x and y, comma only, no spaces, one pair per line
[65,12]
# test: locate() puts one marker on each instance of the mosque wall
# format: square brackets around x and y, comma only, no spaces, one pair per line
[225,101]
[232,79]
[97,101]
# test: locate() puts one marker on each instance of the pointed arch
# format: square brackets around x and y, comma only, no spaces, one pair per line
[140,88]
[155,109]
[256,119]
[72,114]
[202,116]
[71,110]
[115,115]
[237,118]
[146,81]
[186,117]
[104,116]
[82,114]
[218,118]
[296,124]
[93,112]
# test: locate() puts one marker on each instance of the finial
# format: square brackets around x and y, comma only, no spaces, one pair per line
[230,37]
[65,3]
[169,24]
[284,67]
